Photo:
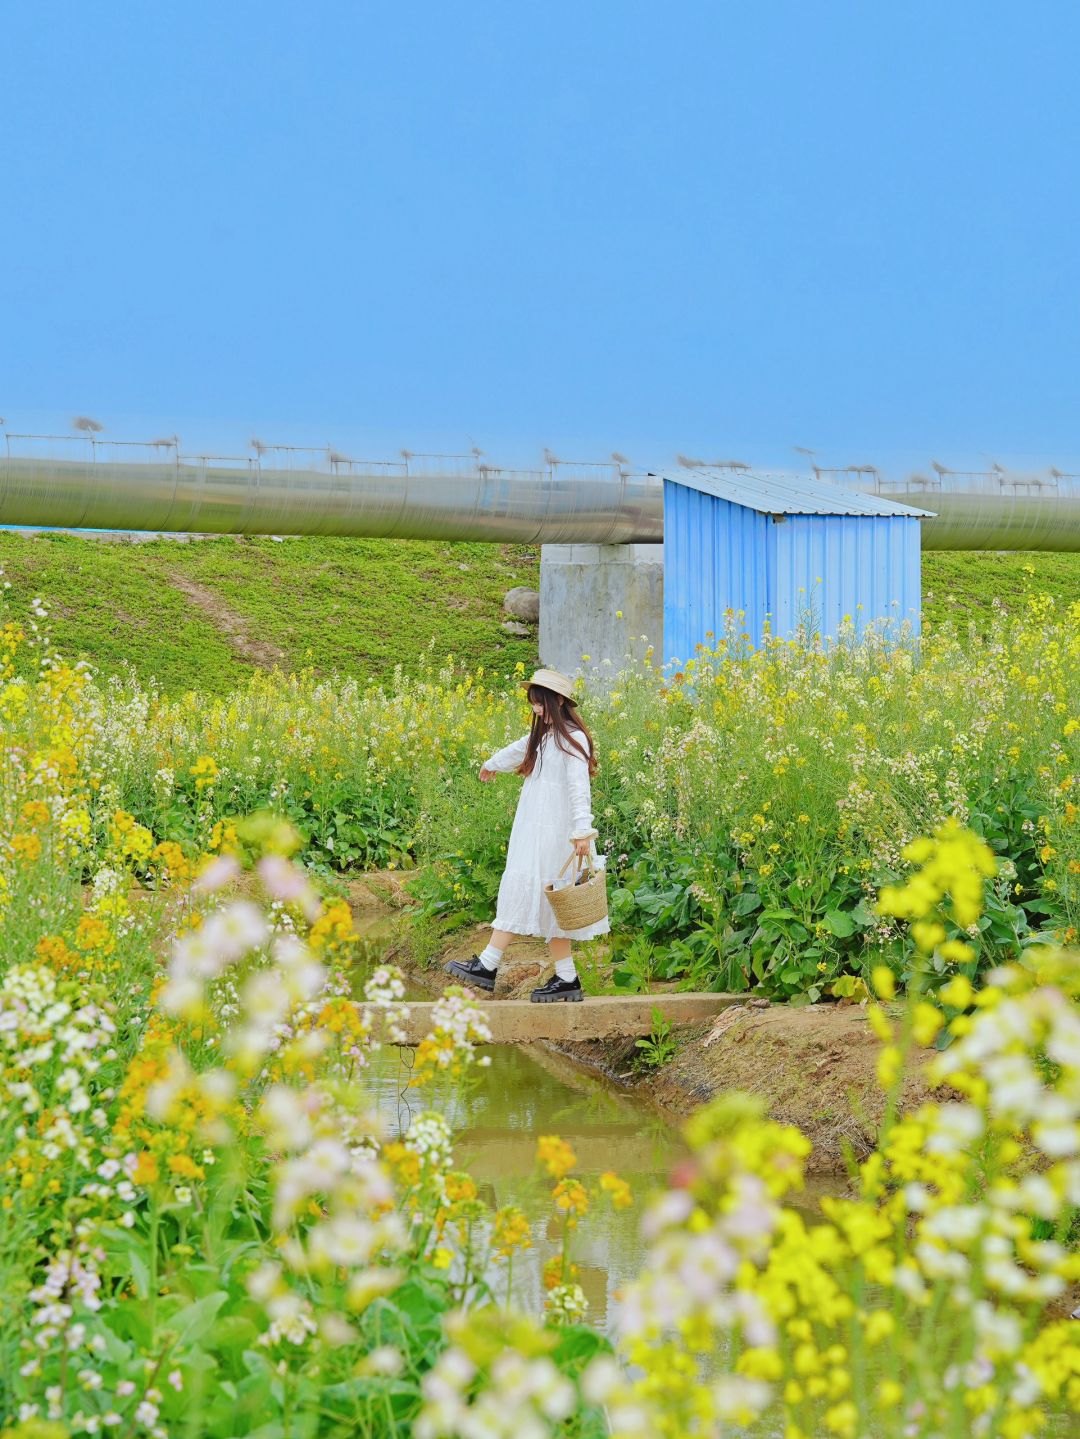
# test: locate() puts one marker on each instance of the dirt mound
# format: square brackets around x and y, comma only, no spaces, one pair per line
[815,1067]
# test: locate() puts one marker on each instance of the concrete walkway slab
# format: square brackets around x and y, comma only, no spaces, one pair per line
[519,1021]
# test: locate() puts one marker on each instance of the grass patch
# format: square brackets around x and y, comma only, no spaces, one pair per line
[963,585]
[353,607]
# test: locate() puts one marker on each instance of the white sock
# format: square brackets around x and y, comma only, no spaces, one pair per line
[490,957]
[564,968]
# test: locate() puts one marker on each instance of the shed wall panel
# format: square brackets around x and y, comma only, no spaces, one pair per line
[716,559]
[829,566]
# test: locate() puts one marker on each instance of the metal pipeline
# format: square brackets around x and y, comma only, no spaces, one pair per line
[588,504]
[993,512]
[585,504]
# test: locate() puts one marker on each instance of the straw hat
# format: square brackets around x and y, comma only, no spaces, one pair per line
[552,680]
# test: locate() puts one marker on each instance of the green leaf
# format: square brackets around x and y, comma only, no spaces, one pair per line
[194,1320]
[839,923]
[234,1332]
[863,915]
[746,903]
[117,1351]
[577,1347]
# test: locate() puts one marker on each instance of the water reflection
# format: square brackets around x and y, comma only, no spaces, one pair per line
[497,1119]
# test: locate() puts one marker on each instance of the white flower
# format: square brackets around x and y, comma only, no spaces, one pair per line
[345,1240]
[1036,1194]
[181,996]
[449,1376]
[910,1282]
[957,1224]
[236,930]
[384,1360]
[999,1330]
[195,955]
[916,1197]
[288,883]
[336,1330]
[284,1114]
[737,1398]
[266,1001]
[673,1208]
[955,1129]
[1016,1090]
[264,1282]
[601,1380]
[1056,1131]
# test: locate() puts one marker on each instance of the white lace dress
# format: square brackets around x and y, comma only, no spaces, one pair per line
[555,808]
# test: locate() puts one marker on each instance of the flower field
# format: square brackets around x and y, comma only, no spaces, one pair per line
[751,812]
[205,1228]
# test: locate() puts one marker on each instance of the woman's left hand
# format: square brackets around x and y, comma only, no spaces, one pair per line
[582,847]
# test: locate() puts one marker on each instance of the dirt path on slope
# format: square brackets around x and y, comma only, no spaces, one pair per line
[232,626]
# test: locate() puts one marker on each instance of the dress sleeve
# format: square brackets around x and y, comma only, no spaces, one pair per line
[577,777]
[507,759]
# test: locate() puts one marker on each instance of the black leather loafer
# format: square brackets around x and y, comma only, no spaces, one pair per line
[473,972]
[559,991]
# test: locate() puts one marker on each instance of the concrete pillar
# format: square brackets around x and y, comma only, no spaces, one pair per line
[599,600]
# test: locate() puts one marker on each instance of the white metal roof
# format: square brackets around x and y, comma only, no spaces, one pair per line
[788,494]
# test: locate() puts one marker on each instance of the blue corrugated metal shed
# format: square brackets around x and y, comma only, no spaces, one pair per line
[781,551]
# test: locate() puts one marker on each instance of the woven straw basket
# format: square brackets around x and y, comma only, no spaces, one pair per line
[582,904]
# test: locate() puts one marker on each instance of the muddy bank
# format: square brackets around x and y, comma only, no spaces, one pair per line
[815,1066]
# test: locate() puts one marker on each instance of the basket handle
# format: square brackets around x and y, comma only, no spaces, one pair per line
[585,860]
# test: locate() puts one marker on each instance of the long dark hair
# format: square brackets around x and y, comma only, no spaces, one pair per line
[559,716]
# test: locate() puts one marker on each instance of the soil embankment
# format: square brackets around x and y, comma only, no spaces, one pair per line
[814,1066]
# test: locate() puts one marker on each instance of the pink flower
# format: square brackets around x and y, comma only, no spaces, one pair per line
[217,873]
[288,883]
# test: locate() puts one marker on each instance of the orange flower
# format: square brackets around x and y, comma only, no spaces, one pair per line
[555,1155]
[459,1187]
[54,951]
[168,857]
[618,1188]
[558,1271]
[404,1163]
[184,1165]
[511,1231]
[570,1197]
[334,927]
[35,812]
[146,1169]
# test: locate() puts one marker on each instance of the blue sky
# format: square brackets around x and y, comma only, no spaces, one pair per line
[711,227]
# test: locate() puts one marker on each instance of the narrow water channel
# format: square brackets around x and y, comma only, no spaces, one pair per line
[497,1117]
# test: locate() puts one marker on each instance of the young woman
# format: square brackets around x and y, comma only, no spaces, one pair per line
[554,814]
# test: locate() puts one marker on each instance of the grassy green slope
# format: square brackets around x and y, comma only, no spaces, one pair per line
[963,585]
[353,606]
